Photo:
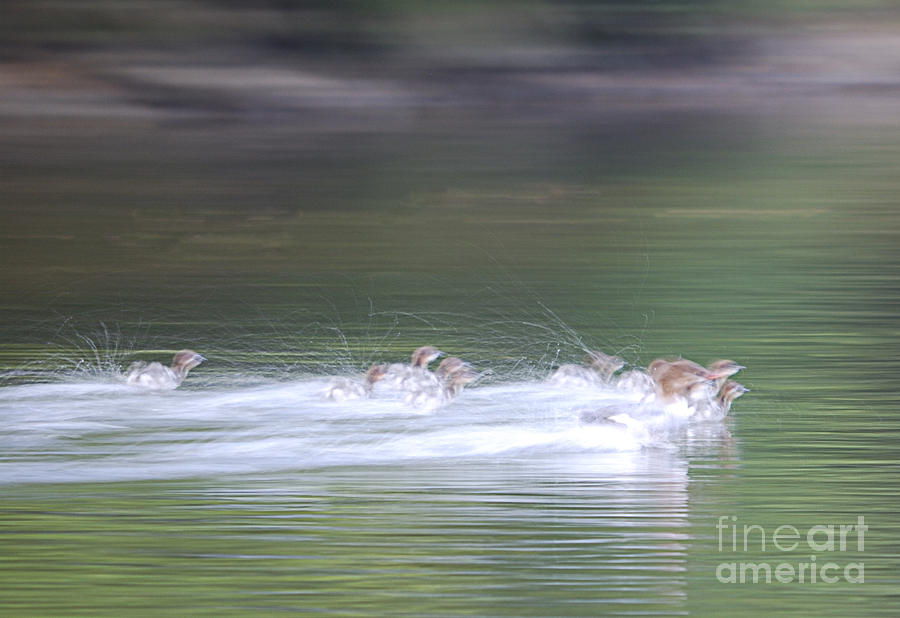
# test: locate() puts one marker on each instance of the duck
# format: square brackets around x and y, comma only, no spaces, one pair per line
[698,391]
[722,370]
[730,391]
[156,376]
[406,377]
[448,381]
[455,374]
[346,389]
[424,356]
[679,379]
[598,371]
[604,365]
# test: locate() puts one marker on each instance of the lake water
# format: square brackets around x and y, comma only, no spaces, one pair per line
[288,256]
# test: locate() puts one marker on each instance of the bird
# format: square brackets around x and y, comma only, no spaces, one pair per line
[708,393]
[156,376]
[455,374]
[723,369]
[345,388]
[424,356]
[680,378]
[731,390]
[446,383]
[699,391]
[604,365]
[598,371]
[406,377]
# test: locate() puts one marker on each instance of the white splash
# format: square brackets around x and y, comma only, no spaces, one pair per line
[107,431]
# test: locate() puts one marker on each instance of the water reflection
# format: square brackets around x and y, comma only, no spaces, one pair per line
[538,533]
[503,495]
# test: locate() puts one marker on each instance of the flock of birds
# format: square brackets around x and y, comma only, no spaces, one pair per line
[679,383]
[422,388]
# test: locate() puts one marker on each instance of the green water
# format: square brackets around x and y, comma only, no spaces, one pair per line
[769,238]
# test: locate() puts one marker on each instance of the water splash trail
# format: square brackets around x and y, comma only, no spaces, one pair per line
[106,431]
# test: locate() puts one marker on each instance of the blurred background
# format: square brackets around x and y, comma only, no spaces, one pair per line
[627,166]
[156,156]
[326,181]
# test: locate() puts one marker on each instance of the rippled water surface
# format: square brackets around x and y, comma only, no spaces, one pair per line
[289,259]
